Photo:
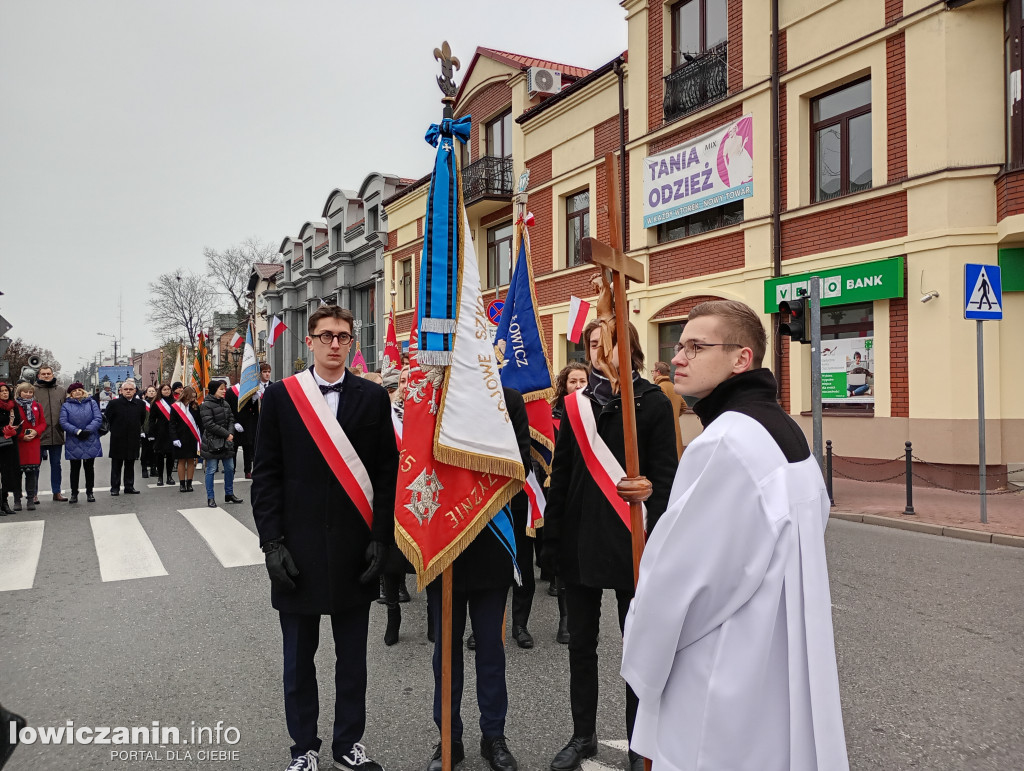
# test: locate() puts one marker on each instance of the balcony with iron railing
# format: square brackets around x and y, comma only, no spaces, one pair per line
[702,81]
[488,178]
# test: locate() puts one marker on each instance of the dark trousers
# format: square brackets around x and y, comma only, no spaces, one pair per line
[164,459]
[147,457]
[10,476]
[583,604]
[486,611]
[522,596]
[52,451]
[90,474]
[31,482]
[115,473]
[247,452]
[301,634]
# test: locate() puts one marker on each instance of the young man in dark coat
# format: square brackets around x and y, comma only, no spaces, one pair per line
[326,543]
[481,577]
[51,396]
[586,541]
[125,414]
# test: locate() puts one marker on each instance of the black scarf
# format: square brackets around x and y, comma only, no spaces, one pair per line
[46,383]
[757,385]
[600,387]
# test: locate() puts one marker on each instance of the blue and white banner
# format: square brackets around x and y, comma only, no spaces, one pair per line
[437,305]
[709,171]
[249,383]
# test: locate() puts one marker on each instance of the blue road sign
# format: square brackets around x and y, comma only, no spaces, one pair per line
[983,293]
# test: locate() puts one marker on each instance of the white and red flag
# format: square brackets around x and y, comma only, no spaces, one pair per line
[392,354]
[276,328]
[237,340]
[578,310]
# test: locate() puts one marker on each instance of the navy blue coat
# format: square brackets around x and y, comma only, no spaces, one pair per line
[84,414]
[296,496]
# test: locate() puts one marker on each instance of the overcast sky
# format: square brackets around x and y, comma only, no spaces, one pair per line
[133,133]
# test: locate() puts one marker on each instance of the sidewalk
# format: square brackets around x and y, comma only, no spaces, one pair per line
[937,511]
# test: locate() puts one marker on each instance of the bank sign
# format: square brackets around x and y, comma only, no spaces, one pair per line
[711,170]
[867,281]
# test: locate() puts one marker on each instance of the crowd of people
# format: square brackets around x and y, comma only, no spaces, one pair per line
[728,653]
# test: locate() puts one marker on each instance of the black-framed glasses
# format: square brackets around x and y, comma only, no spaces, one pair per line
[344,338]
[690,348]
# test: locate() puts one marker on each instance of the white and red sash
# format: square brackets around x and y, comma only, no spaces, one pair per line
[164,407]
[144,401]
[186,416]
[397,423]
[535,495]
[330,438]
[600,460]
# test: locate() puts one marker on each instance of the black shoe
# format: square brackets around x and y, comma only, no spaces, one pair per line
[495,751]
[188,486]
[458,755]
[522,637]
[574,753]
[181,487]
[73,498]
[131,491]
[17,504]
[211,503]
[403,592]
[471,642]
[145,473]
[160,481]
[30,505]
[394,625]
[636,762]
[90,497]
[562,635]
[114,492]
[552,589]
[232,499]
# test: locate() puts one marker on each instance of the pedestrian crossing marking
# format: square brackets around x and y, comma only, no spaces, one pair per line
[592,765]
[123,548]
[174,485]
[231,542]
[20,545]
[616,744]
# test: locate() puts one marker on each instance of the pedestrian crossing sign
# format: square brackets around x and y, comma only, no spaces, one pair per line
[983,293]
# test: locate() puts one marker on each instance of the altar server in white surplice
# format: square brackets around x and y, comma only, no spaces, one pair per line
[728,643]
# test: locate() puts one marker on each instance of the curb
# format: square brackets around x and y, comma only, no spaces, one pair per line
[929,528]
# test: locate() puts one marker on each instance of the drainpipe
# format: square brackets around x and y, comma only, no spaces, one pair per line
[622,148]
[776,182]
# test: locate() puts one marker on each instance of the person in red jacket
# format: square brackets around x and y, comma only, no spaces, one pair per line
[33,424]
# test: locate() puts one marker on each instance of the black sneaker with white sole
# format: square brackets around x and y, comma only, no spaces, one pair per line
[357,760]
[308,762]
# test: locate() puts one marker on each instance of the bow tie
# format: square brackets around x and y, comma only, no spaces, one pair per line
[327,389]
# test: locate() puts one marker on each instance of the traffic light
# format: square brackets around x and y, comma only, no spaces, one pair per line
[793,321]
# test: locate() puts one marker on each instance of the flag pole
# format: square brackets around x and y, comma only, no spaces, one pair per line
[446,83]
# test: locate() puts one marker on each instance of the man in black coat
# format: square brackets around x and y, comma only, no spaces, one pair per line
[585,540]
[125,416]
[481,577]
[322,555]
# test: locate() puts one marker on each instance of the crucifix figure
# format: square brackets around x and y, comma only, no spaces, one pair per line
[633,488]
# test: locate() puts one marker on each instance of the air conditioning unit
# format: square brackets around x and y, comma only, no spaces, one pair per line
[540,80]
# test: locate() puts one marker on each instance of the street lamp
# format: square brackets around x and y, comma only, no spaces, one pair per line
[107,334]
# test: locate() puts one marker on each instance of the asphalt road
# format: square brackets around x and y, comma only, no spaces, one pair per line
[928,634]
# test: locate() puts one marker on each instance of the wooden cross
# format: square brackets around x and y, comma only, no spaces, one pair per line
[634,489]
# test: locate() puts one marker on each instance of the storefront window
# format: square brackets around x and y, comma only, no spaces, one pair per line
[848,357]
[575,352]
[668,336]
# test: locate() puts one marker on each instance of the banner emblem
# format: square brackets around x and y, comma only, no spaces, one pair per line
[425,491]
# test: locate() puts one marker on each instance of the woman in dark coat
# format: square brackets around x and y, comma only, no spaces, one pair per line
[10,422]
[218,422]
[80,417]
[184,441]
[159,434]
[146,455]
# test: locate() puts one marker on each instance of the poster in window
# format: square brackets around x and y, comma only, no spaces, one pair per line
[848,371]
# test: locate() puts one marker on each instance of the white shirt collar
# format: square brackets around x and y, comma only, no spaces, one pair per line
[321,381]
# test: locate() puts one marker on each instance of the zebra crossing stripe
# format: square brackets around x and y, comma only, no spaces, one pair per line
[20,545]
[123,548]
[231,542]
[592,765]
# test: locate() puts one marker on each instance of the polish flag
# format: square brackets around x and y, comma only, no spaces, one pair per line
[535,493]
[578,310]
[236,340]
[277,327]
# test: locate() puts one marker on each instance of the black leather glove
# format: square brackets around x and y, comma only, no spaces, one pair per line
[280,565]
[83,434]
[376,553]
[549,556]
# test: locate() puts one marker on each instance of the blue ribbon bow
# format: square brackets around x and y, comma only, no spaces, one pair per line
[449,127]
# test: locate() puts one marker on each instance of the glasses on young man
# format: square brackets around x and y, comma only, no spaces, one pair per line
[328,337]
[690,348]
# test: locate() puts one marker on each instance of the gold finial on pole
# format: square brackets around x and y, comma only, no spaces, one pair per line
[445,82]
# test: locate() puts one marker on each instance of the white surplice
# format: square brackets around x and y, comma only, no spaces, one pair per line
[728,643]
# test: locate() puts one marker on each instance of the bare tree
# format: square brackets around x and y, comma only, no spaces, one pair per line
[18,353]
[229,269]
[181,302]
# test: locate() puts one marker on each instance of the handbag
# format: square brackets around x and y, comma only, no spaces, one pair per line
[6,441]
[104,426]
